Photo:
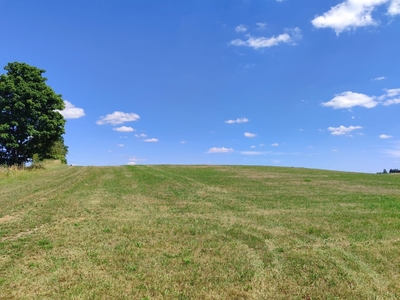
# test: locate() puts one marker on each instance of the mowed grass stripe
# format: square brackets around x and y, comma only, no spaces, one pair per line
[199,232]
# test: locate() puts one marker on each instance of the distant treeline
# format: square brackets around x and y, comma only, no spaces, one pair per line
[390,171]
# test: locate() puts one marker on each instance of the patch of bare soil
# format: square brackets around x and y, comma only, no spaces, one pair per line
[21,234]
[6,219]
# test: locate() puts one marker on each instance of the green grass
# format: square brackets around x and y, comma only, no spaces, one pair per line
[198,232]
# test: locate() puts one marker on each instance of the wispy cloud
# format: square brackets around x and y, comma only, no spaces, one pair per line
[124,129]
[247,66]
[393,152]
[251,153]
[71,112]
[255,152]
[118,117]
[238,120]
[220,150]
[392,92]
[385,136]
[378,78]
[241,28]
[391,102]
[275,145]
[152,140]
[261,25]
[142,135]
[342,130]
[120,145]
[250,135]
[291,36]
[351,14]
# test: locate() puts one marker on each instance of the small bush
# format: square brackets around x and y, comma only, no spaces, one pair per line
[36,166]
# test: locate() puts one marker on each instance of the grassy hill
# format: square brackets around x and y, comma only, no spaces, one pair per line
[198,232]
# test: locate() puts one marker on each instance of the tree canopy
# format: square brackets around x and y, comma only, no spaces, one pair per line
[29,119]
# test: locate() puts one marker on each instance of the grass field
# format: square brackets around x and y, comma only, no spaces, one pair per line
[198,232]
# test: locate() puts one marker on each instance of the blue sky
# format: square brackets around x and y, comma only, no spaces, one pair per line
[256,82]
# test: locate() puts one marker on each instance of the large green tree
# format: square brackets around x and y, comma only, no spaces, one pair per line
[29,121]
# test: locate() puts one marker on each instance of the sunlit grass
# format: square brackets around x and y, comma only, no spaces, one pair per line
[198,232]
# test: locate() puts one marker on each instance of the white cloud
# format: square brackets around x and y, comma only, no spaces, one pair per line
[252,147]
[385,136]
[131,163]
[341,130]
[249,135]
[394,8]
[241,28]
[238,120]
[378,78]
[152,140]
[289,37]
[351,99]
[118,117]
[71,112]
[275,145]
[124,129]
[220,150]
[351,14]
[121,145]
[142,135]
